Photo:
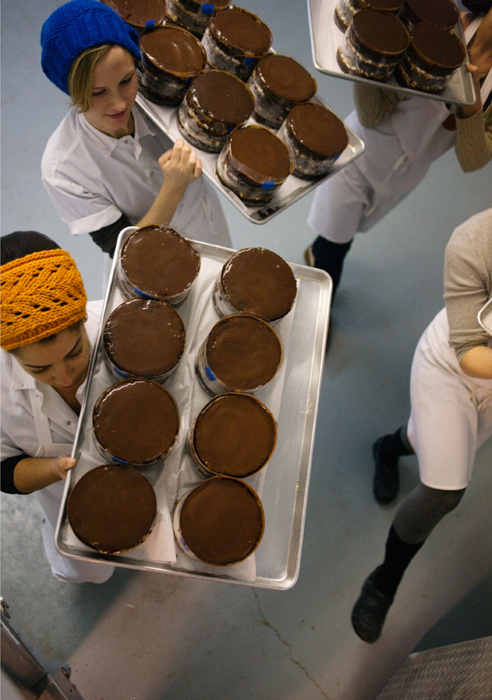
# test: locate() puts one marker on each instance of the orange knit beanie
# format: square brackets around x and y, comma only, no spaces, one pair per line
[41,294]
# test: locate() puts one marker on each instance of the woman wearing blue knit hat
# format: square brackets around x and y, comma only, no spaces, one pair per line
[106,167]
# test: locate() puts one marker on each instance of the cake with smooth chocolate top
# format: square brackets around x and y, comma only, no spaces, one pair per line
[442,13]
[254,163]
[257,281]
[242,353]
[345,9]
[215,103]
[278,83]
[235,39]
[220,521]
[316,136]
[373,45]
[144,338]
[193,15]
[135,421]
[139,13]
[157,263]
[434,54]
[112,508]
[233,435]
[171,57]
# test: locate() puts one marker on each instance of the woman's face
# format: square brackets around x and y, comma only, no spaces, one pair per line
[113,93]
[61,362]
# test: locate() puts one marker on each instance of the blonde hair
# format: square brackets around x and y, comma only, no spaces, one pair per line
[81,76]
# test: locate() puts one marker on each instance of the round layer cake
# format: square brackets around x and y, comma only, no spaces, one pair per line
[140,13]
[242,353]
[442,13]
[373,45]
[112,508]
[235,39]
[345,9]
[434,54]
[317,138]
[278,83]
[135,421]
[254,163]
[193,15]
[233,435]
[157,263]
[144,338]
[171,57]
[219,522]
[215,103]
[256,281]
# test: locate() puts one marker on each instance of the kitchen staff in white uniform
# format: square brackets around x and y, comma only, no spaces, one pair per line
[451,416]
[47,335]
[403,137]
[106,166]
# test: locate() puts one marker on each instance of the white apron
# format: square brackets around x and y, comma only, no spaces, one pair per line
[399,152]
[50,498]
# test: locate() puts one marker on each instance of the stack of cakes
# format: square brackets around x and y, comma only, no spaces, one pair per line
[140,14]
[193,15]
[346,9]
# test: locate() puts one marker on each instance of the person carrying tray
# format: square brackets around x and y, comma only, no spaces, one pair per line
[403,136]
[451,417]
[106,166]
[48,331]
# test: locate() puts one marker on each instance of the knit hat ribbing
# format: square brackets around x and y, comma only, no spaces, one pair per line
[76,26]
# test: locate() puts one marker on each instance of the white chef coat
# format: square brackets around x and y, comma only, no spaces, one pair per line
[35,420]
[399,152]
[451,414]
[93,178]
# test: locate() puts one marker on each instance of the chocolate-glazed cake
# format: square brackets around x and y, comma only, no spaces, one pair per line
[140,13]
[219,522]
[171,57]
[442,13]
[233,435]
[193,15]
[257,281]
[346,9]
[317,138]
[434,54]
[254,163]
[278,83]
[112,508]
[241,353]
[215,103]
[157,263]
[135,421]
[373,45]
[144,338]
[235,39]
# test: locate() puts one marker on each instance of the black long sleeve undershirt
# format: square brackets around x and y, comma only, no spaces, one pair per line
[107,236]
[8,467]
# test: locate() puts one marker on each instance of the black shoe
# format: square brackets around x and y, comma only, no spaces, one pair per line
[386,480]
[370,611]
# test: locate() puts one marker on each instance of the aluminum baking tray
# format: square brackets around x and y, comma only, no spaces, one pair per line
[326,37]
[292,189]
[485,317]
[282,485]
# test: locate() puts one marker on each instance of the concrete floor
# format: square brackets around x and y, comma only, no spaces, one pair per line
[150,636]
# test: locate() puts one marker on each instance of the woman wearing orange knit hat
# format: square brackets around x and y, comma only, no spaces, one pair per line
[48,329]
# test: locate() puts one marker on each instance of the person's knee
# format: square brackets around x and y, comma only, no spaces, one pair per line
[441,501]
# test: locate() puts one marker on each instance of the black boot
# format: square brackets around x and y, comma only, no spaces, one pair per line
[328,256]
[386,451]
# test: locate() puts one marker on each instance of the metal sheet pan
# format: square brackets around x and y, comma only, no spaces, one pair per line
[326,37]
[485,317]
[293,399]
[292,189]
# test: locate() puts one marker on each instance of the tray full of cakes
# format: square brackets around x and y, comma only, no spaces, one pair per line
[411,46]
[264,136]
[196,432]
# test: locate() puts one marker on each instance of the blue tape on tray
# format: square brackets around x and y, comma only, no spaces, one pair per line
[141,294]
[250,61]
[120,373]
[229,131]
[207,8]
[210,374]
[150,23]
[120,461]
[267,185]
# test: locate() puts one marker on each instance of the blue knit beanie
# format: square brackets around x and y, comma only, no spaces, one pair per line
[76,26]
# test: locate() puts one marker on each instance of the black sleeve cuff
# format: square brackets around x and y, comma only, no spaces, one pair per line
[8,467]
[107,236]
